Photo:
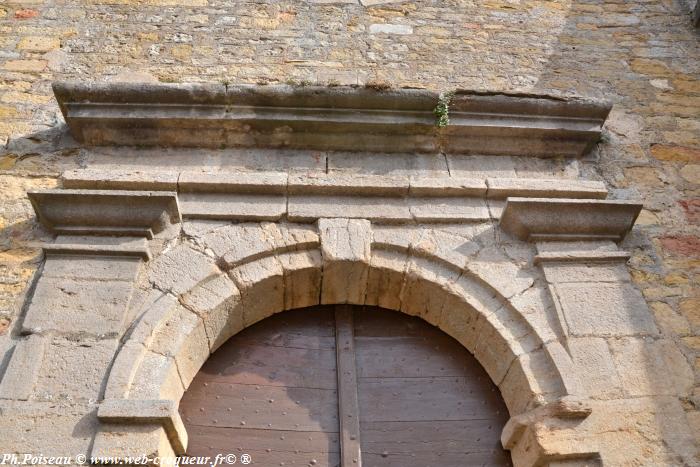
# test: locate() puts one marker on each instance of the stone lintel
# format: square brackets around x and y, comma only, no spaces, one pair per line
[106,212]
[550,219]
[328,118]
[135,412]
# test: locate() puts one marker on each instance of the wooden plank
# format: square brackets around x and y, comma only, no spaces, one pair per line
[267,447]
[348,406]
[271,392]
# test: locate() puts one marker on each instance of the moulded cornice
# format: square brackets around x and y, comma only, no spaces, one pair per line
[328,118]
[545,219]
[105,212]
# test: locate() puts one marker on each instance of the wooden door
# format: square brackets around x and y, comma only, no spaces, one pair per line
[345,386]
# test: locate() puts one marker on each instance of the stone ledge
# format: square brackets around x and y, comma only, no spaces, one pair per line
[582,257]
[102,212]
[161,412]
[139,251]
[545,219]
[321,118]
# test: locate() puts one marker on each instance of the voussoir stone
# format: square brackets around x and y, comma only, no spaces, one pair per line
[346,248]
[180,269]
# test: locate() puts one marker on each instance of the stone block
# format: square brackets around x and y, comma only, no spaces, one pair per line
[460,320]
[446,186]
[132,441]
[450,248]
[399,238]
[448,209]
[55,428]
[595,367]
[563,272]
[86,267]
[178,270]
[74,370]
[302,278]
[215,302]
[123,370]
[345,246]
[530,381]
[183,337]
[424,289]
[377,209]
[22,372]
[231,206]
[386,279]
[339,183]
[156,378]
[266,183]
[120,180]
[261,284]
[499,271]
[72,306]
[651,367]
[604,309]
[539,188]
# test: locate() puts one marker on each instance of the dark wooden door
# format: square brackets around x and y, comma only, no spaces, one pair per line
[345,386]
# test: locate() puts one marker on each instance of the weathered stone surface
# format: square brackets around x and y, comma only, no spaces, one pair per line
[146,412]
[448,210]
[21,374]
[183,337]
[76,306]
[180,269]
[239,182]
[130,213]
[61,427]
[604,309]
[63,267]
[215,301]
[596,367]
[345,246]
[327,118]
[111,180]
[647,367]
[302,278]
[375,209]
[505,187]
[348,184]
[386,279]
[542,219]
[261,284]
[74,370]
[233,206]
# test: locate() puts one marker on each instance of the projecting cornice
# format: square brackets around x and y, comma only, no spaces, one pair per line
[544,219]
[98,212]
[328,118]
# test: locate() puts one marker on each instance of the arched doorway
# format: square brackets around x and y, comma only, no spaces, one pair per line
[280,390]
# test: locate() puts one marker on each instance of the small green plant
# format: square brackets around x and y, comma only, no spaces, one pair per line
[442,109]
[332,83]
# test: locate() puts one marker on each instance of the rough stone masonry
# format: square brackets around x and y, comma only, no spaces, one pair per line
[639,361]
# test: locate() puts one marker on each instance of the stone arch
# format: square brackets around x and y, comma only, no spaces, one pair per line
[343,264]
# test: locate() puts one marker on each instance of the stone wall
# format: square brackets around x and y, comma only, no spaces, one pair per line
[642,55]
